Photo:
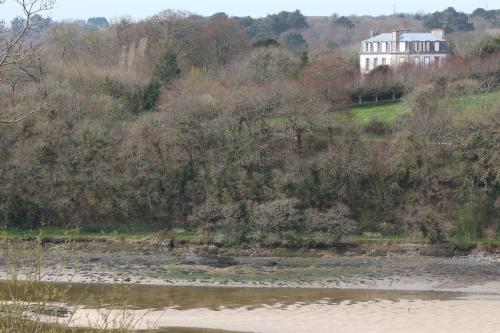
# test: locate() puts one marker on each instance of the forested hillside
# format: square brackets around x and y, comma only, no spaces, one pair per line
[241,130]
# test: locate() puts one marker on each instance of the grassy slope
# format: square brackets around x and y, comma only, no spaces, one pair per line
[387,112]
[464,107]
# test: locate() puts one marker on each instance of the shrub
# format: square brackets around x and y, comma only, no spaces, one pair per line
[430,229]
[377,127]
[280,216]
[464,87]
[423,98]
[130,93]
[269,63]
[334,222]
[151,95]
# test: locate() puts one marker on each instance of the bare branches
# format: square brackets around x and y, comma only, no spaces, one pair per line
[12,48]
[12,117]
[16,50]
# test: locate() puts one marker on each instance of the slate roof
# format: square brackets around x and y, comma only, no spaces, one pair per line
[407,37]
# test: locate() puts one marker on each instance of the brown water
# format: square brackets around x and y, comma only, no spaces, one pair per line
[185,298]
[213,310]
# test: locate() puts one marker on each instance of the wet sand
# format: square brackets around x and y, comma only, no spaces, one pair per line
[376,316]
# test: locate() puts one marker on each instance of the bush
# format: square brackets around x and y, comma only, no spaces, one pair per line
[269,63]
[464,87]
[378,127]
[423,98]
[334,222]
[430,229]
[130,93]
[151,95]
[280,216]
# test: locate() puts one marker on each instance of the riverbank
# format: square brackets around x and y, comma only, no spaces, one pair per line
[376,265]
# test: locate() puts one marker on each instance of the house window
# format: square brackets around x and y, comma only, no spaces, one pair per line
[371,47]
[428,46]
[417,61]
[402,60]
[384,47]
[384,62]
[402,46]
[427,61]
[367,65]
[437,61]
[436,46]
[375,47]
[375,63]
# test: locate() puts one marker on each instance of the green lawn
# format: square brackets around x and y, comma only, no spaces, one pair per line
[466,107]
[463,108]
[387,112]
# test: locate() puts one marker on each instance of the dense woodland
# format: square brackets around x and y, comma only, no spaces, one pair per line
[224,126]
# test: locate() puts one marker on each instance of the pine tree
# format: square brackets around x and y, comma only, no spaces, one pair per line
[304,59]
[165,72]
[167,68]
[151,94]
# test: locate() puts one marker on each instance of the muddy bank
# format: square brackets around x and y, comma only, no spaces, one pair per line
[145,262]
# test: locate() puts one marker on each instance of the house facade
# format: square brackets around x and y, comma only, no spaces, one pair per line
[403,47]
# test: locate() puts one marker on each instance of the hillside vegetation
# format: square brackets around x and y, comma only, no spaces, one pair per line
[181,122]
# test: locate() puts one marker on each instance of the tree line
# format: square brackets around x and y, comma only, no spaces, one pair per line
[180,121]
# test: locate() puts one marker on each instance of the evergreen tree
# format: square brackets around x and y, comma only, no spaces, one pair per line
[304,59]
[450,20]
[344,22]
[295,41]
[165,72]
[167,68]
[151,94]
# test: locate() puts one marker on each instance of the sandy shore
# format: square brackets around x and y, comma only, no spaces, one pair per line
[377,316]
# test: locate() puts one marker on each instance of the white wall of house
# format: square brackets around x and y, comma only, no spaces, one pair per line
[368,62]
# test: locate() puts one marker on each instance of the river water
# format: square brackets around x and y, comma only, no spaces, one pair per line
[284,310]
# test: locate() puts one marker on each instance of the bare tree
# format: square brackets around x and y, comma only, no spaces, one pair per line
[222,40]
[16,49]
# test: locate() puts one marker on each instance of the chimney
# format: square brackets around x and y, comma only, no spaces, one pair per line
[395,35]
[439,33]
[371,33]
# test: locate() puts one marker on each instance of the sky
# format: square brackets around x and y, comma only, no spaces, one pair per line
[82,9]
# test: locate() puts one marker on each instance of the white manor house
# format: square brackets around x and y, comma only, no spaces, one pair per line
[401,47]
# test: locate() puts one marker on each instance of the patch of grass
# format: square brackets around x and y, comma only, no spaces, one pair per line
[464,108]
[69,233]
[396,239]
[471,107]
[73,234]
[387,112]
[466,243]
